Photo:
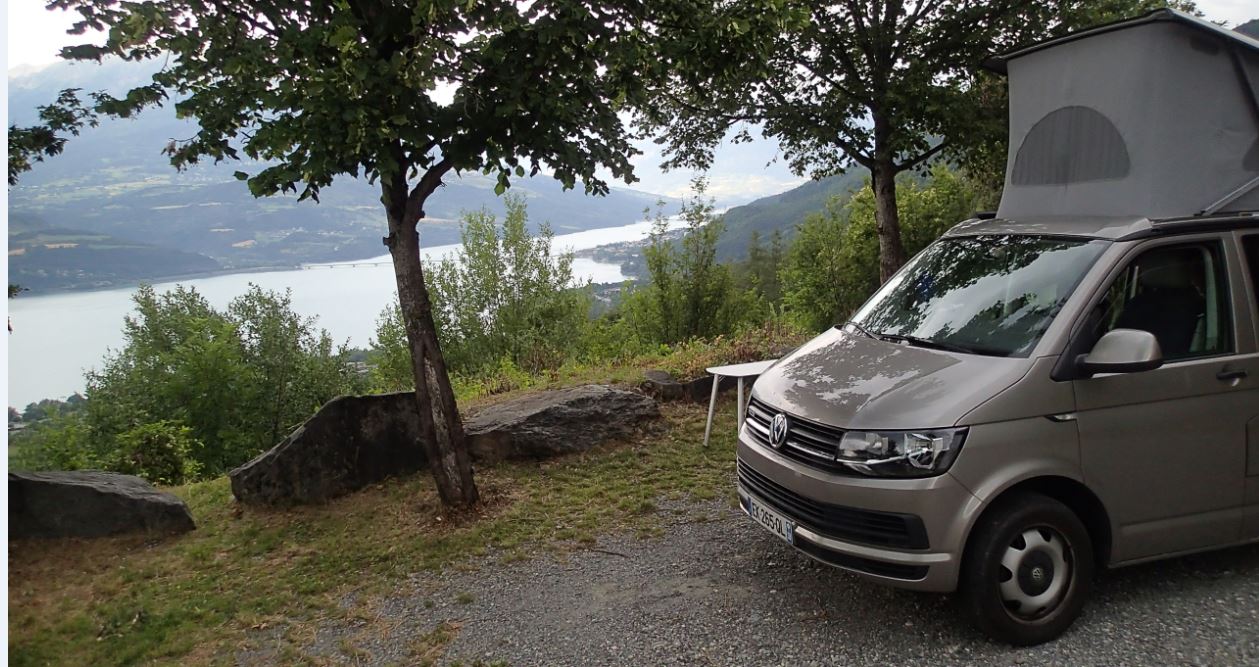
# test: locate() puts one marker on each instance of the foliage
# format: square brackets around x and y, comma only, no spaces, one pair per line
[58,442]
[832,266]
[505,305]
[505,297]
[689,293]
[195,391]
[759,272]
[886,86]
[768,341]
[49,407]
[401,94]
[160,452]
[389,358]
[58,122]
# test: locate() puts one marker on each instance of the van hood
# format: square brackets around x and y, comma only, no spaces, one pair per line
[851,381]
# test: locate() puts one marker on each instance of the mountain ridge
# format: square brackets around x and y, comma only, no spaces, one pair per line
[113,180]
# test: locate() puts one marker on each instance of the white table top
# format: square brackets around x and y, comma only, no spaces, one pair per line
[749,369]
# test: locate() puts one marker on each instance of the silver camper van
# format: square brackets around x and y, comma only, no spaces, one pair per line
[1069,385]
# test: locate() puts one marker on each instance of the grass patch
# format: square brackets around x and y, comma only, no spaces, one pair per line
[194,599]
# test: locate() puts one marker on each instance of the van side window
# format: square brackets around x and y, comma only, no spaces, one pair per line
[1250,245]
[1179,294]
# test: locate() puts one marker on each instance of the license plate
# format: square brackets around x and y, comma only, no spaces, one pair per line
[771,520]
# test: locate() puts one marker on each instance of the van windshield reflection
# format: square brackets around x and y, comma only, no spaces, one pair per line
[992,295]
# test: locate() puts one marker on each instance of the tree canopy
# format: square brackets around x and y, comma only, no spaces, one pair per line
[884,84]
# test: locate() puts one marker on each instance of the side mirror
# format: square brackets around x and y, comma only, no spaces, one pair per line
[1122,351]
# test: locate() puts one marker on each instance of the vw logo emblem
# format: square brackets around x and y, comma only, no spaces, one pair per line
[778,430]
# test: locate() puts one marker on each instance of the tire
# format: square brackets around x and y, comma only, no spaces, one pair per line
[1052,559]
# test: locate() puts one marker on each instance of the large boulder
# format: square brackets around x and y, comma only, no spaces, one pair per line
[351,442]
[550,423]
[354,441]
[90,503]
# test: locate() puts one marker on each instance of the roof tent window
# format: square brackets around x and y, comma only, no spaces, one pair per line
[1071,145]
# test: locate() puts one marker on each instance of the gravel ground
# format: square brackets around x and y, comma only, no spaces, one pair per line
[717,590]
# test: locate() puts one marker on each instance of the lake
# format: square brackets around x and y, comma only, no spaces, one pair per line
[56,337]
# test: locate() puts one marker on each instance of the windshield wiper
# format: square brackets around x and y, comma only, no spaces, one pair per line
[927,342]
[862,330]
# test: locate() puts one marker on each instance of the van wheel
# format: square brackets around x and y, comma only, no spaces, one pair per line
[1028,570]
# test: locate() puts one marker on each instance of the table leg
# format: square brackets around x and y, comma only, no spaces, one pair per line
[712,404]
[740,425]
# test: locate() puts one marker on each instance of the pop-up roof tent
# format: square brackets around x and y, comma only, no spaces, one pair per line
[1155,117]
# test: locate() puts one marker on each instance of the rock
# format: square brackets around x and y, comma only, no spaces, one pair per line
[700,390]
[551,423]
[354,441]
[89,503]
[351,442]
[662,386]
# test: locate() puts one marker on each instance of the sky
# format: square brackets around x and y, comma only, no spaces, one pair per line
[739,173]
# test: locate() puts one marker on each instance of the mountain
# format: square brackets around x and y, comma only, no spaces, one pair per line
[782,211]
[1249,28]
[44,257]
[111,209]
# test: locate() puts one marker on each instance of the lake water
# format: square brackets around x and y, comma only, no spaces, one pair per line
[58,336]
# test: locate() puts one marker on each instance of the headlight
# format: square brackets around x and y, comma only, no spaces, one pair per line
[901,453]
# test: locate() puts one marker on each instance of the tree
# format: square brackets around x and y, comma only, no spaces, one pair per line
[505,301]
[506,297]
[359,88]
[240,380]
[760,270]
[689,293]
[886,85]
[832,266]
[58,122]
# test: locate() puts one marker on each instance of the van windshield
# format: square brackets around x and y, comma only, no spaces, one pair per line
[991,295]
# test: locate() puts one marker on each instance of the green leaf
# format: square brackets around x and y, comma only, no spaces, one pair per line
[241,176]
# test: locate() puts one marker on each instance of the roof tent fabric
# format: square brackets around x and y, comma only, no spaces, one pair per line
[1155,117]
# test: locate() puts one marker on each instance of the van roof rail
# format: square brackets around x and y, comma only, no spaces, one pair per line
[985,215]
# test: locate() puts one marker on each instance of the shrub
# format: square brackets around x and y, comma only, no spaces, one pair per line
[161,452]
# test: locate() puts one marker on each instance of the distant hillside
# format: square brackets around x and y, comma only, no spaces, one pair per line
[113,181]
[782,211]
[44,257]
[1250,28]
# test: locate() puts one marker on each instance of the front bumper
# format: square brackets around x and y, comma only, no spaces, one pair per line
[908,533]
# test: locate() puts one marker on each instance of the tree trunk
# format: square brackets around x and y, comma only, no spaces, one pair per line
[440,426]
[886,217]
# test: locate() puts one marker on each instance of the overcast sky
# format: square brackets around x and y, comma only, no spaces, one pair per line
[739,173]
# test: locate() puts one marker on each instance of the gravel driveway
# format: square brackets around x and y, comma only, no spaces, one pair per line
[718,590]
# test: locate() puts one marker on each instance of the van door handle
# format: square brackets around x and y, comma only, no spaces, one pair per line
[1230,375]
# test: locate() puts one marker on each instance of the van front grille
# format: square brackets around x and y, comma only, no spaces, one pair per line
[810,443]
[884,529]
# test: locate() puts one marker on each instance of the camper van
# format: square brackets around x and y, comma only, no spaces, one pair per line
[1068,385]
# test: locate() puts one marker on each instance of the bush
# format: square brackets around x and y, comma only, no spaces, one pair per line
[505,296]
[161,452]
[239,380]
[58,442]
[689,294]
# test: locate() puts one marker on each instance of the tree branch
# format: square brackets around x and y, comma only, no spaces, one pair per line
[910,164]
